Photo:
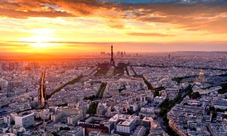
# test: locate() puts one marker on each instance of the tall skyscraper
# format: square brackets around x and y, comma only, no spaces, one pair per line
[112,63]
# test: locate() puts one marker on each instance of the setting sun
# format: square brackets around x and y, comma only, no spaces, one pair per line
[42,38]
[144,25]
[39,41]
[41,45]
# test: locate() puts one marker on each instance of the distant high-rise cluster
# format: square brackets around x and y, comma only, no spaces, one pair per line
[9,66]
[121,54]
[102,53]
[117,54]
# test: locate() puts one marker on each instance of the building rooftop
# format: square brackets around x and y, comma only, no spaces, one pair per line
[23,114]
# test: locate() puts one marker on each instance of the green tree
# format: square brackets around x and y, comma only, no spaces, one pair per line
[141,116]
[54,133]
[12,122]
[92,108]
[163,111]
[194,95]
[64,128]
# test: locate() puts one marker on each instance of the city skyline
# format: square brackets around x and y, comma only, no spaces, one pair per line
[181,93]
[113,68]
[66,26]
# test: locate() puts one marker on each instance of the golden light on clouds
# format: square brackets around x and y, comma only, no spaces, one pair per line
[91,25]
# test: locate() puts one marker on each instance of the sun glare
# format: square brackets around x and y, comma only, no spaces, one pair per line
[42,38]
[41,44]
[39,41]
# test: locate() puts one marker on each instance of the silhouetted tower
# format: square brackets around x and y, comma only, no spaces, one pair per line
[42,95]
[112,63]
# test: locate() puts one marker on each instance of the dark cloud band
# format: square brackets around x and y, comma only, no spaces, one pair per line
[209,15]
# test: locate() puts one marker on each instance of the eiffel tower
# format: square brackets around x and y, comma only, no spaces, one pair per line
[112,63]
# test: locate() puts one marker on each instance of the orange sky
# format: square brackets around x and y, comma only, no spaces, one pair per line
[92,26]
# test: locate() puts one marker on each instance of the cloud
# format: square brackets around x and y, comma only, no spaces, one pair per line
[209,16]
[12,45]
[21,14]
[191,15]
[25,9]
[148,34]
